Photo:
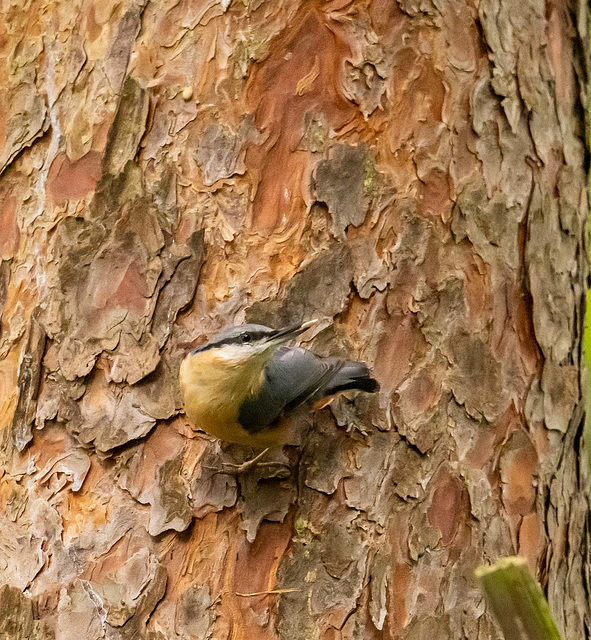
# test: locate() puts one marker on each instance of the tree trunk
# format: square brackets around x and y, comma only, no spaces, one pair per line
[411,173]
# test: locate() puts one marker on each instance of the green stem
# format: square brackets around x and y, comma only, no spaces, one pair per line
[517,601]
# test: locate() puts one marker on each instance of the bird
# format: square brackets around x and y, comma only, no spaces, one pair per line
[247,387]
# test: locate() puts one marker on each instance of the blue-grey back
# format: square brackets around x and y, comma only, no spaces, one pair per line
[292,377]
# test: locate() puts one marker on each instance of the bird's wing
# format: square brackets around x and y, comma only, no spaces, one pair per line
[291,378]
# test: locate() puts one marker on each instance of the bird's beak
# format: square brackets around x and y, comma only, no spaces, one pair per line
[288,333]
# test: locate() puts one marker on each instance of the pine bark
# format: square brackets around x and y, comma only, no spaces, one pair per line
[413,174]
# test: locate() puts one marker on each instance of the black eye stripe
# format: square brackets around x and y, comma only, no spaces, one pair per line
[253,336]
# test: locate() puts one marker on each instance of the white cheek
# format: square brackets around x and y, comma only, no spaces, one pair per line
[240,353]
[237,353]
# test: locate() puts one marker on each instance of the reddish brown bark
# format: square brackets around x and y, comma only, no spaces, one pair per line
[411,173]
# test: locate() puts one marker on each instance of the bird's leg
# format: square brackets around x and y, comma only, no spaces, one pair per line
[233,469]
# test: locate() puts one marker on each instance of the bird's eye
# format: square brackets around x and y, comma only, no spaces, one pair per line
[245,337]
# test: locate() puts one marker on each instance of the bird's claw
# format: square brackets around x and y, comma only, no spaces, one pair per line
[233,469]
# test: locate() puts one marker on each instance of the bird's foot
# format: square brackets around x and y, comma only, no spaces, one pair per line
[282,469]
[278,469]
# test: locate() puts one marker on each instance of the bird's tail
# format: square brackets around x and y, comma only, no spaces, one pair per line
[352,375]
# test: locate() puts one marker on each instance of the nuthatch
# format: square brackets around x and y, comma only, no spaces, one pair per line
[245,387]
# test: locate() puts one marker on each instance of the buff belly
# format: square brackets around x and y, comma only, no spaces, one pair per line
[213,393]
[230,430]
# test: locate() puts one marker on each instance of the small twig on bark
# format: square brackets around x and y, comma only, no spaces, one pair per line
[266,593]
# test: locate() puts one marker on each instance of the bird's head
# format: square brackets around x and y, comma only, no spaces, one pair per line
[249,342]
